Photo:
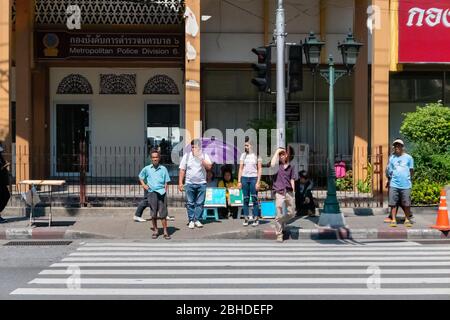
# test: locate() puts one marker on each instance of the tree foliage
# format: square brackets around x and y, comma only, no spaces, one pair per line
[429,124]
[428,132]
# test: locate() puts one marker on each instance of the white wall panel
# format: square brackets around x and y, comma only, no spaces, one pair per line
[233,16]
[302,16]
[237,26]
[230,48]
[339,16]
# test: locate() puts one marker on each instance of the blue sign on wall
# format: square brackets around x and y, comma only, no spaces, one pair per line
[216,197]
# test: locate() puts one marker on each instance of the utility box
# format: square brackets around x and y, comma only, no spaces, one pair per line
[301,157]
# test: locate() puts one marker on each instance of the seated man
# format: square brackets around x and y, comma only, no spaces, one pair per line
[304,199]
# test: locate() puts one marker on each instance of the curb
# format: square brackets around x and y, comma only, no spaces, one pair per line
[249,234]
[41,234]
[94,212]
[126,211]
[337,234]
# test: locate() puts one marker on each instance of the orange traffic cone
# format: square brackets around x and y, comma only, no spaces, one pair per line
[442,222]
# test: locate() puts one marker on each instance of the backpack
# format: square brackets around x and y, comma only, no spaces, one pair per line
[340,169]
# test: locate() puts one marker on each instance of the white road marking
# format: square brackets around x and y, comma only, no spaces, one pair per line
[208,292]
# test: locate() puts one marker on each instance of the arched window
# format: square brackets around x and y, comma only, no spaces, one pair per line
[118,84]
[74,84]
[161,84]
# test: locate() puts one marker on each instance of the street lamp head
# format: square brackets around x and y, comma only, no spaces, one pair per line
[312,48]
[349,50]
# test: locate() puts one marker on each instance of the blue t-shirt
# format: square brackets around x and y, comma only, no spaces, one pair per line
[155,178]
[399,171]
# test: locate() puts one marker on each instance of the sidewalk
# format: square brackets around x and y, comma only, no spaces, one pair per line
[117,223]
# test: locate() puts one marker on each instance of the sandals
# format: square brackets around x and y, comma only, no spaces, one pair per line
[166,236]
[408,224]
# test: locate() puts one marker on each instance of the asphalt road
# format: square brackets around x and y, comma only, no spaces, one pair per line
[226,270]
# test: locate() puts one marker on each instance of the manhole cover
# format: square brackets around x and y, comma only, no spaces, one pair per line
[38,243]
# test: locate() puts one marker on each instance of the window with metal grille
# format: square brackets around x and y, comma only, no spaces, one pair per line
[110,12]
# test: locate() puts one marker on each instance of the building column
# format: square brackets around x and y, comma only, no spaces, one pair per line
[192,73]
[380,82]
[41,160]
[266,22]
[24,54]
[5,69]
[323,25]
[361,94]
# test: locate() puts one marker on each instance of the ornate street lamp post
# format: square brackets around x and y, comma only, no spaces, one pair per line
[331,214]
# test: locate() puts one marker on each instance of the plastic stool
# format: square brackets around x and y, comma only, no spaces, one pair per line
[214,216]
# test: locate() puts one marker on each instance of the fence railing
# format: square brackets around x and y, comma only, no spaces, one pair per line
[108,176]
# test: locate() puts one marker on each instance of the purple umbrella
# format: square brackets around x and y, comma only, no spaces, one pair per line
[220,152]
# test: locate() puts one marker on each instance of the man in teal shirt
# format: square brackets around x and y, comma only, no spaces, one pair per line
[154,179]
[399,173]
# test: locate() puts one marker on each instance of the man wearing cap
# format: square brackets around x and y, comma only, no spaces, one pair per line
[399,172]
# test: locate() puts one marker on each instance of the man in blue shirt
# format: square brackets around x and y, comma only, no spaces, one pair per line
[154,179]
[399,172]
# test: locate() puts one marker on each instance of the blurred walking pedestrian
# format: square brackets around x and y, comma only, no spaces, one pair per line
[4,183]
[284,188]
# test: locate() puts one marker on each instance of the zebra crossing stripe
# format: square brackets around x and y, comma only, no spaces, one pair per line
[245,245]
[242,281]
[250,254]
[258,259]
[261,249]
[232,292]
[223,271]
[248,264]
[208,270]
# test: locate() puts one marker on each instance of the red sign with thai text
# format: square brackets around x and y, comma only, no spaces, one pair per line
[424,31]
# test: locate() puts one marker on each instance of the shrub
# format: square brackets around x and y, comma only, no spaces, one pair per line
[425,192]
[429,124]
[430,163]
[428,131]
[345,183]
[366,185]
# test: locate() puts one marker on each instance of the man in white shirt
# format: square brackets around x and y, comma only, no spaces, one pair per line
[193,167]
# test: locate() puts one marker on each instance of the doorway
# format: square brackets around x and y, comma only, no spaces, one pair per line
[72,132]
[163,129]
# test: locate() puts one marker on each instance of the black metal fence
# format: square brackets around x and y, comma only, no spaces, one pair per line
[108,177]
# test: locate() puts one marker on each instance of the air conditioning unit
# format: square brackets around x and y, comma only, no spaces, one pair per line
[301,156]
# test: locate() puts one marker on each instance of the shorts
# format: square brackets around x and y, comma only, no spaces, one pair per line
[157,204]
[399,197]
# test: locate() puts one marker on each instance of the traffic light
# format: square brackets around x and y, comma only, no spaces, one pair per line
[263,68]
[295,68]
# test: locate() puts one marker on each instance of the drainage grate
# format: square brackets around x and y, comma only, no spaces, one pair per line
[38,243]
